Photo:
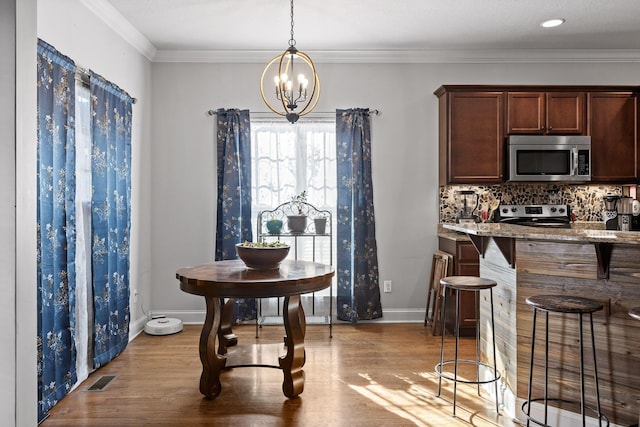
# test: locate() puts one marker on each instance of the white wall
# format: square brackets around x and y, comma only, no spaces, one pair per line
[78,33]
[17,213]
[405,153]
[184,169]
[26,306]
[7,210]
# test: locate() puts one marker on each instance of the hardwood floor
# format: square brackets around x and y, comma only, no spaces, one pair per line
[369,374]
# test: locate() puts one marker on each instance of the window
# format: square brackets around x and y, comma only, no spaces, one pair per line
[84,292]
[287,159]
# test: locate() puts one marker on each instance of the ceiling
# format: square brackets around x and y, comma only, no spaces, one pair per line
[209,26]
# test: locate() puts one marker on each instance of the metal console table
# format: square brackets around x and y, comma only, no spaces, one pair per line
[316,224]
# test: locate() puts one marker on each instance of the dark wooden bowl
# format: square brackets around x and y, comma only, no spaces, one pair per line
[262,258]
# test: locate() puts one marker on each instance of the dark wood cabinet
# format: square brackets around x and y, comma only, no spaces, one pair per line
[471,137]
[474,121]
[466,262]
[525,112]
[546,113]
[612,124]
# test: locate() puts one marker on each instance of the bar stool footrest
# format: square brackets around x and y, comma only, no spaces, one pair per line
[446,375]
[568,402]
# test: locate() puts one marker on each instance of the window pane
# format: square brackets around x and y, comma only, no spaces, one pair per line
[288,159]
[321,166]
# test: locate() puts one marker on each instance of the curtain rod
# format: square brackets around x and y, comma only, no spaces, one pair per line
[371,112]
[83,75]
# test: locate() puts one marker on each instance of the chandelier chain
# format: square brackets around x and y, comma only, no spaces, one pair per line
[292,41]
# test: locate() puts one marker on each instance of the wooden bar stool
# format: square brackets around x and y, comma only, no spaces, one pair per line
[563,304]
[475,284]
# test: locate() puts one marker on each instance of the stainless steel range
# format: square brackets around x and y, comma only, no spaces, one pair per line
[557,216]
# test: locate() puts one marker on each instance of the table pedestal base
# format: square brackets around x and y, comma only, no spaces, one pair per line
[214,331]
[226,321]
[291,363]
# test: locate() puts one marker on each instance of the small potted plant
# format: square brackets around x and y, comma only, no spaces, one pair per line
[274,225]
[297,221]
[320,223]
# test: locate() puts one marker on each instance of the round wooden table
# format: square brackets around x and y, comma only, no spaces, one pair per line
[232,279]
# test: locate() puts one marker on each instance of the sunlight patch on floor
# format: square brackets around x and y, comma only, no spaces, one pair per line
[418,403]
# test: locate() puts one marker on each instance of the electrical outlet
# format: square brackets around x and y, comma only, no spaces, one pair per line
[387,286]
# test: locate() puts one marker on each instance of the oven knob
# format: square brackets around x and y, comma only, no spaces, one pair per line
[561,210]
[514,209]
[505,210]
[553,209]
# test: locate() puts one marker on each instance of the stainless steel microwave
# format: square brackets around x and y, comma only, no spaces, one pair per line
[549,158]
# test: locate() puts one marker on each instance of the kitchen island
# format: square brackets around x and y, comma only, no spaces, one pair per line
[582,260]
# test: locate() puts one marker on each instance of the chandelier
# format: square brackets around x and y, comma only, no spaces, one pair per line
[291,99]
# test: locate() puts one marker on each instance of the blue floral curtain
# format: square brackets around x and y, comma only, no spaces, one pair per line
[358,293]
[233,139]
[110,216]
[56,227]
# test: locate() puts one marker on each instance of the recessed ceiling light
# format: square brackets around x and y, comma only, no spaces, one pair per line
[552,23]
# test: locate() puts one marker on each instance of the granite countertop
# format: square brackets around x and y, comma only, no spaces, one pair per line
[579,232]
[451,234]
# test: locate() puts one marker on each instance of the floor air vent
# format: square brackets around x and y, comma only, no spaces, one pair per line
[102,383]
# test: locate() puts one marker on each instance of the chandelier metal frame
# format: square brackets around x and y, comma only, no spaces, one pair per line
[284,89]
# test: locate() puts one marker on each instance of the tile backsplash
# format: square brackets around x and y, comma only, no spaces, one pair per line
[585,200]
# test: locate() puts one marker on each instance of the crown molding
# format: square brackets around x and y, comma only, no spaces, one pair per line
[114,20]
[428,56]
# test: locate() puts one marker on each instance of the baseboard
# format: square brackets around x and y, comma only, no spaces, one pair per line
[136,327]
[400,315]
[388,316]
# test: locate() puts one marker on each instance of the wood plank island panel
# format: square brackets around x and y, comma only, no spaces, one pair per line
[554,267]
[552,259]
[494,266]
[617,335]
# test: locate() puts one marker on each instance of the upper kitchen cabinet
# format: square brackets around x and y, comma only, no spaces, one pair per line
[471,136]
[475,120]
[546,113]
[612,124]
